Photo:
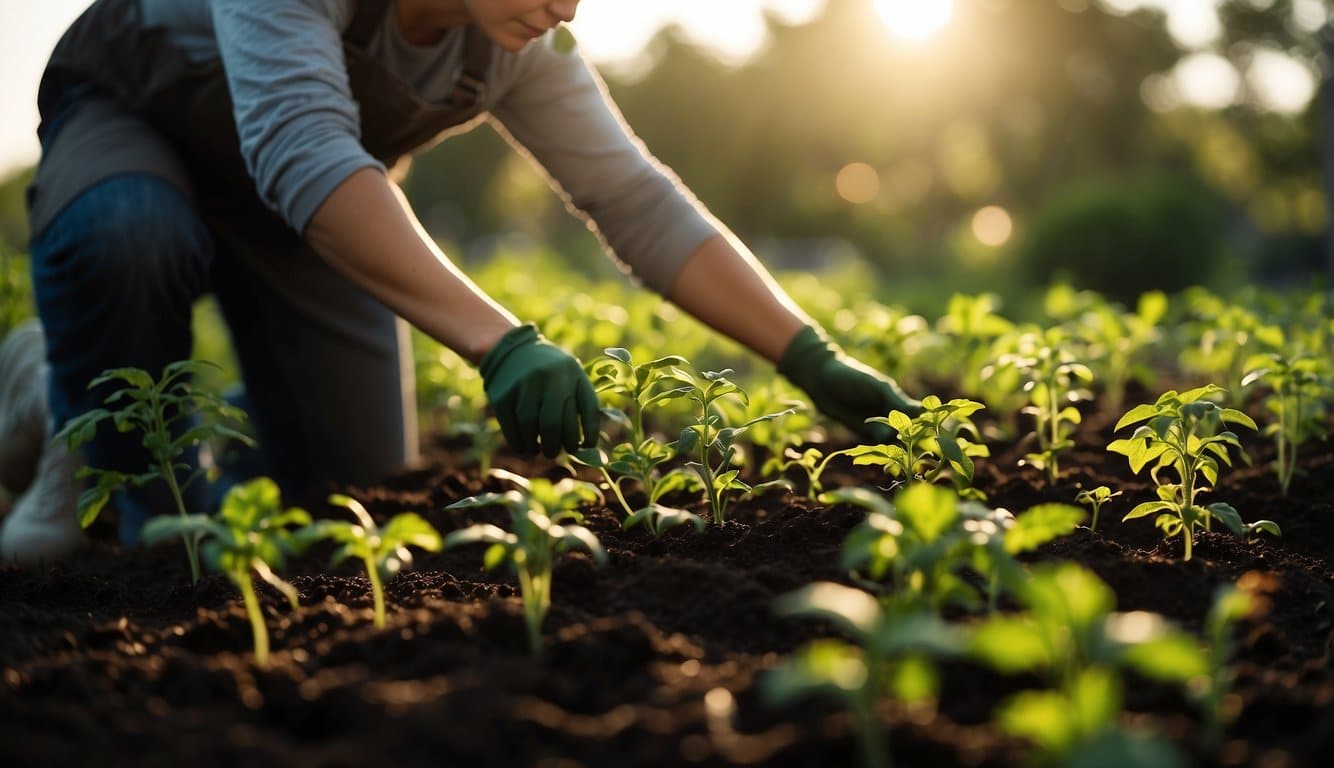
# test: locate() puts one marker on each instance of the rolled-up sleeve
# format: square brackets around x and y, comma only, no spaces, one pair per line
[298,123]
[558,110]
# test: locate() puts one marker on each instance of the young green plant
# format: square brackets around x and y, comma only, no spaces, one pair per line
[249,534]
[1300,389]
[928,445]
[172,415]
[1185,433]
[642,388]
[891,653]
[1096,497]
[545,521]
[1071,634]
[926,544]
[710,436]
[1054,381]
[383,551]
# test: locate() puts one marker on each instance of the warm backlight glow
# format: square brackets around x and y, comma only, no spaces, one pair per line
[992,226]
[857,183]
[915,19]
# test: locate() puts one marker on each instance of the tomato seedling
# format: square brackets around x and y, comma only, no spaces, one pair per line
[384,551]
[891,653]
[1054,380]
[928,445]
[1070,633]
[1301,387]
[711,436]
[154,407]
[250,533]
[545,521]
[1185,432]
[1095,498]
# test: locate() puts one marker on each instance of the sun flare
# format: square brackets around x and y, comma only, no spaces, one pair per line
[915,19]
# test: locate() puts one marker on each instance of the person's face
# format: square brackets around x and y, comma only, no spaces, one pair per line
[512,24]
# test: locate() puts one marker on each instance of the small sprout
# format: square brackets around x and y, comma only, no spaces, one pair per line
[1301,389]
[928,541]
[643,388]
[249,533]
[1071,634]
[384,551]
[1054,380]
[711,436]
[1096,498]
[928,445]
[1186,433]
[659,519]
[164,410]
[891,653]
[545,521]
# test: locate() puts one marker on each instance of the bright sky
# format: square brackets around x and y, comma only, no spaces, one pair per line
[615,31]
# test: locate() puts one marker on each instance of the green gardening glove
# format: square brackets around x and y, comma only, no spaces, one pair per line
[841,387]
[540,394]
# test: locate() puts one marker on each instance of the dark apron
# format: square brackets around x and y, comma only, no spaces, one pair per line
[108,50]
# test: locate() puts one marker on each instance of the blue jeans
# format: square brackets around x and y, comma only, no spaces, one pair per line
[115,275]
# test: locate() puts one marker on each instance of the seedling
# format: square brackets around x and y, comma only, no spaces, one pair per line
[710,436]
[929,444]
[642,388]
[1223,337]
[1095,498]
[1117,343]
[154,408]
[1211,692]
[659,519]
[812,462]
[1054,380]
[1071,634]
[1185,433]
[250,533]
[384,551]
[925,543]
[1300,389]
[545,521]
[891,653]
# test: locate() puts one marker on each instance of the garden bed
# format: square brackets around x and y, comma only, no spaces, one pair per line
[114,658]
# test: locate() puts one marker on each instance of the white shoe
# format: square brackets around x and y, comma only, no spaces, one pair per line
[23,409]
[43,524]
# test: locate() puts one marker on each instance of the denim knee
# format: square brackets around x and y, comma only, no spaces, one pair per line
[136,238]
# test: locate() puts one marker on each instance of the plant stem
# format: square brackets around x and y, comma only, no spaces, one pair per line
[377,591]
[535,589]
[191,541]
[257,628]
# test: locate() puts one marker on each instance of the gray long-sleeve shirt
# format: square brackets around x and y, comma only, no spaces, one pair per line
[299,127]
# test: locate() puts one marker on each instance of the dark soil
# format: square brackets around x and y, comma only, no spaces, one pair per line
[113,658]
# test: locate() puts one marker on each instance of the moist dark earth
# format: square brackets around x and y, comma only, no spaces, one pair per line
[114,658]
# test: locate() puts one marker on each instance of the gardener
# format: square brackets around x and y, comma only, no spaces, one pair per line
[241,148]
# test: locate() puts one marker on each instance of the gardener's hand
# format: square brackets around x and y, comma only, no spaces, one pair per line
[540,394]
[841,387]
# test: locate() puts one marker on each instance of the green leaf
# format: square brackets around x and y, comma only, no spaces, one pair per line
[618,353]
[927,509]
[1264,526]
[1042,717]
[851,609]
[825,665]
[1229,516]
[1041,524]
[1147,508]
[1137,414]
[1010,644]
[1172,657]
